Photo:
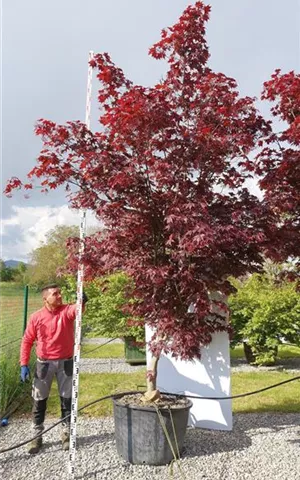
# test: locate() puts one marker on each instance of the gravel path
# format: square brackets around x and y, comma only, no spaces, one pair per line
[260,447]
[118,365]
[100,340]
[291,365]
[107,365]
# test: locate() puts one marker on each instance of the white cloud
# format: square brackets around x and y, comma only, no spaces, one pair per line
[26,228]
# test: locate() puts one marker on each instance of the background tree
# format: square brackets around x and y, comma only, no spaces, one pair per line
[21,274]
[51,256]
[167,176]
[17,274]
[6,273]
[264,312]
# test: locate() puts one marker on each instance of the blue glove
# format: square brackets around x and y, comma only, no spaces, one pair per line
[25,373]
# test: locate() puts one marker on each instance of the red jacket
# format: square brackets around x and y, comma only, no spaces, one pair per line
[53,333]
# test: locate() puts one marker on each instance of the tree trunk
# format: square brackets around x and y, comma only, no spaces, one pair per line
[152,375]
[249,355]
[252,357]
[152,393]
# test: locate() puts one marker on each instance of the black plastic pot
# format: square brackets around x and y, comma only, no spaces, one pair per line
[140,438]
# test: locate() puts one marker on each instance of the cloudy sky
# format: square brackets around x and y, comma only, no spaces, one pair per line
[44,71]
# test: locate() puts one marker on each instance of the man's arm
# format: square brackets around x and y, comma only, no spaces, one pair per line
[27,342]
[72,308]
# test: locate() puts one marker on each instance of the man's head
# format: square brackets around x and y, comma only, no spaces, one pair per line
[52,296]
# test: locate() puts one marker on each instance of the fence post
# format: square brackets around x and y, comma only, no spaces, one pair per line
[25,307]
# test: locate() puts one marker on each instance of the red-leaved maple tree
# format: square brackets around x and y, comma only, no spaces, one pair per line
[167,174]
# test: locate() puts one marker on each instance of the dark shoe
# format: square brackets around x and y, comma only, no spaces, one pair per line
[65,439]
[35,445]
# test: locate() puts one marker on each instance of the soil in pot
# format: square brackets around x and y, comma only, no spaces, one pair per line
[140,436]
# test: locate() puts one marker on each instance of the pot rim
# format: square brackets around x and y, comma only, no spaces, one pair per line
[149,408]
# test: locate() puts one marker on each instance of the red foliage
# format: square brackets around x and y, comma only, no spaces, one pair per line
[278,163]
[167,177]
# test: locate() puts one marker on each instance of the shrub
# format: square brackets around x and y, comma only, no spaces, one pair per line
[263,312]
[104,314]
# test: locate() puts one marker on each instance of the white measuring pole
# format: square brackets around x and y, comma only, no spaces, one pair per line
[75,381]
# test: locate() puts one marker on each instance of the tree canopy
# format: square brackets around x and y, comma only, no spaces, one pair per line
[51,256]
[167,174]
[6,273]
[16,273]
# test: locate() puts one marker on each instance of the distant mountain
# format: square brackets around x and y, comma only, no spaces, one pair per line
[12,263]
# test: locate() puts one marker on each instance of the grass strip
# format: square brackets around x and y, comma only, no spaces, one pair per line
[283,399]
[113,350]
[116,350]
[284,351]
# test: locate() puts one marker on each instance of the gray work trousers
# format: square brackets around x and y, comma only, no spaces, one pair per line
[45,371]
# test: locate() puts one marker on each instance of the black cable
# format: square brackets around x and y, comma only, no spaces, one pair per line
[9,343]
[62,419]
[138,391]
[18,397]
[98,346]
[6,414]
[241,394]
[13,397]
[10,410]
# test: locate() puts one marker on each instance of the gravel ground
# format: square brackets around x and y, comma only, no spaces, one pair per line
[288,365]
[107,365]
[118,365]
[260,447]
[100,340]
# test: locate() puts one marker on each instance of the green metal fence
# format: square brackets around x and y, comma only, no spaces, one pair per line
[16,304]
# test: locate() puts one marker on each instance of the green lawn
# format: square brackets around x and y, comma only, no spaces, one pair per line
[116,350]
[287,351]
[12,311]
[284,351]
[93,386]
[111,350]
[284,399]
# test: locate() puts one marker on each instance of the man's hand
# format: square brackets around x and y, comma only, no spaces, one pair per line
[25,373]
[84,297]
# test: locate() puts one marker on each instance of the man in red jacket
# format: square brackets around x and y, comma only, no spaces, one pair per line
[52,328]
